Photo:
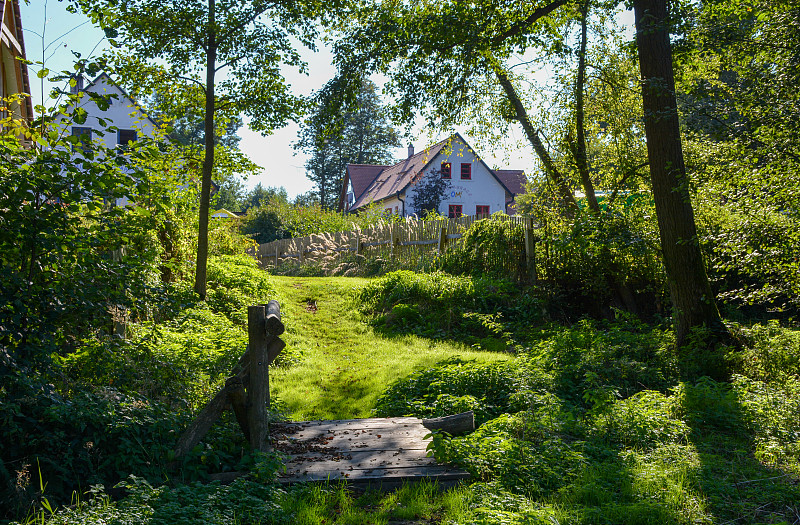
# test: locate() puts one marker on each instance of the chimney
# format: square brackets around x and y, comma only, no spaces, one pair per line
[78,87]
[410,150]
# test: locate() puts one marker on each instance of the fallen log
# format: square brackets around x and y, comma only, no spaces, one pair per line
[454,425]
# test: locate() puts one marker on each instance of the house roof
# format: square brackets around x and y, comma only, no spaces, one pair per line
[514,180]
[391,180]
[135,105]
[362,175]
[374,183]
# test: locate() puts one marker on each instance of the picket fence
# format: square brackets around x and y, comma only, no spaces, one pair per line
[408,241]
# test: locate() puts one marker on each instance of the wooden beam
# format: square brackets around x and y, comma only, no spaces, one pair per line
[258,387]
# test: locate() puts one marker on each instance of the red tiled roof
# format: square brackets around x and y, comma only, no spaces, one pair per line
[514,180]
[362,175]
[393,179]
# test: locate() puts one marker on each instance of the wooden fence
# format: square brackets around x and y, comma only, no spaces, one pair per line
[409,241]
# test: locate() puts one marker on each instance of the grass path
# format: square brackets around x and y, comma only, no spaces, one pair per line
[337,366]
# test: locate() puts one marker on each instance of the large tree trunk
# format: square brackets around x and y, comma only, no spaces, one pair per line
[692,299]
[208,160]
[579,148]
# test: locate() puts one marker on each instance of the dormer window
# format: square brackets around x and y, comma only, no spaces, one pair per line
[446,171]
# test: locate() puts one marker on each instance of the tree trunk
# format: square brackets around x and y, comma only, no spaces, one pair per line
[692,299]
[562,188]
[208,161]
[579,150]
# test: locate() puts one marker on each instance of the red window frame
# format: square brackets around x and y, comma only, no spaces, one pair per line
[446,170]
[481,211]
[466,171]
[454,211]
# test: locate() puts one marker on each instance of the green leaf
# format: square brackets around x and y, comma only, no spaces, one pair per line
[43,72]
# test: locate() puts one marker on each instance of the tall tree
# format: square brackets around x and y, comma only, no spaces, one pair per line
[447,70]
[348,126]
[692,299]
[250,40]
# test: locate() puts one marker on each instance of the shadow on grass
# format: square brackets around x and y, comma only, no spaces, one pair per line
[738,488]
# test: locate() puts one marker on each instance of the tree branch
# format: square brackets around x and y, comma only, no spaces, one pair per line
[529,21]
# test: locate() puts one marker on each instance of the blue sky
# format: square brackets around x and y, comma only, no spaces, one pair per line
[48,25]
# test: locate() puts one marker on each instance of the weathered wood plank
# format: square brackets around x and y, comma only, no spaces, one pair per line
[456,424]
[348,424]
[351,460]
[344,443]
[440,473]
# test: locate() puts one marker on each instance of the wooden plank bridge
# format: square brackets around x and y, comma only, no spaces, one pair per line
[377,451]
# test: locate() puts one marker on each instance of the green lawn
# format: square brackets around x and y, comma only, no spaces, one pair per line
[339,365]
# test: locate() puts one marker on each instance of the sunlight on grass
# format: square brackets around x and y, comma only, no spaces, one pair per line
[340,366]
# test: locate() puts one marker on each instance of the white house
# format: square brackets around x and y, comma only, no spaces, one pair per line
[473,189]
[127,116]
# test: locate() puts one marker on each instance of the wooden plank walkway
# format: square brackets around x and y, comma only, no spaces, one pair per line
[376,451]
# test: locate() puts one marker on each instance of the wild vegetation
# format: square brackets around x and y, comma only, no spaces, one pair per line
[610,389]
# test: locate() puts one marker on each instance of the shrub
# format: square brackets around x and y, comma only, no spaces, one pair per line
[451,387]
[605,358]
[497,450]
[476,310]
[753,256]
[491,247]
[643,421]
[234,283]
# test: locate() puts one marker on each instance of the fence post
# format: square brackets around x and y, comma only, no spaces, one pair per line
[301,247]
[395,241]
[442,239]
[530,250]
[258,388]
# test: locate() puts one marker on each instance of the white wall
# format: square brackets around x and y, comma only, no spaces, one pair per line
[482,189]
[122,113]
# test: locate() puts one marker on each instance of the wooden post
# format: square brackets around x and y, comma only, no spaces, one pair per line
[359,244]
[301,251]
[258,388]
[273,324]
[442,239]
[277,252]
[238,400]
[530,250]
[395,241]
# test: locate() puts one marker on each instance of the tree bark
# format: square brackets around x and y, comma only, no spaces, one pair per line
[579,150]
[208,160]
[692,299]
[562,188]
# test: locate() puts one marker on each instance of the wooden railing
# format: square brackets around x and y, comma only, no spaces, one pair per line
[409,240]
[246,391]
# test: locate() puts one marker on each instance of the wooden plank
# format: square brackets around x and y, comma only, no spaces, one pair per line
[351,460]
[419,243]
[340,443]
[440,473]
[368,434]
[376,422]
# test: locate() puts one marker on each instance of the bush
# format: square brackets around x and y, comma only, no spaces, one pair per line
[489,247]
[449,388]
[477,310]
